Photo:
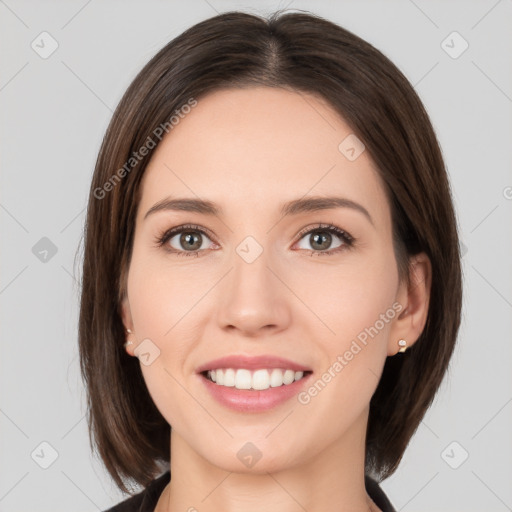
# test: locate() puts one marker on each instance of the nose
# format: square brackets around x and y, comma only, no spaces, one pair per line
[253,299]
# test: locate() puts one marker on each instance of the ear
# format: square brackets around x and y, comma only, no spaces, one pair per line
[414,300]
[126,317]
[124,310]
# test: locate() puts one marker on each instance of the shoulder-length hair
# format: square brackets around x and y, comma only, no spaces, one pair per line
[299,52]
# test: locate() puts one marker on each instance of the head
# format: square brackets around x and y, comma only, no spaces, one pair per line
[249,114]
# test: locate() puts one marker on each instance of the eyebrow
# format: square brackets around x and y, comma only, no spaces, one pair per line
[294,207]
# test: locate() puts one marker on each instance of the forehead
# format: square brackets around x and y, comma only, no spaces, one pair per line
[258,147]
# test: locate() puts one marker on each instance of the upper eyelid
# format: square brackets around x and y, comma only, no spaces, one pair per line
[328,226]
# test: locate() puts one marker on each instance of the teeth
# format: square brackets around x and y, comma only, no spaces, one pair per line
[243,379]
[229,378]
[258,379]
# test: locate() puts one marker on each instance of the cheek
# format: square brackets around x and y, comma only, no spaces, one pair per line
[356,303]
[163,301]
[168,395]
[360,314]
[163,294]
[349,297]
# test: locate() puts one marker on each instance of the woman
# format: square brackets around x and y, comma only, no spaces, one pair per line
[286,361]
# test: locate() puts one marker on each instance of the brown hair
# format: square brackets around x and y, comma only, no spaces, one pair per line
[300,52]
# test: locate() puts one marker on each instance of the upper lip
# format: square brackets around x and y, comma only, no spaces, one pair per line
[252,363]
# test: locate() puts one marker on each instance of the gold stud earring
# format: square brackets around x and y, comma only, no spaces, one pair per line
[403,345]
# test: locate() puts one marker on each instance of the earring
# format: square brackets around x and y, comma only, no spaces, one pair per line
[403,345]
[128,342]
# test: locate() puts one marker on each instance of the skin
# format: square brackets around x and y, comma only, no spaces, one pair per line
[250,150]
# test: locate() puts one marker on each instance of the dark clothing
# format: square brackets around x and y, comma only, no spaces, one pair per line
[146,500]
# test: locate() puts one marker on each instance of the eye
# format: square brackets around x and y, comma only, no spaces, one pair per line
[320,239]
[187,240]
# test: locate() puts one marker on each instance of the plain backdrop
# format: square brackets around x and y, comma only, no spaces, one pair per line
[64,67]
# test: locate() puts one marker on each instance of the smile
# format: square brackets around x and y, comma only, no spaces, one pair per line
[260,379]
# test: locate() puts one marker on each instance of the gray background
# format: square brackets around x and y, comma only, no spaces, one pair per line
[54,113]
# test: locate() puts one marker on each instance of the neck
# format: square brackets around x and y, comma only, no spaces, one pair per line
[330,481]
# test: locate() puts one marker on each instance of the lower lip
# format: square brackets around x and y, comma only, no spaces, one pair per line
[251,400]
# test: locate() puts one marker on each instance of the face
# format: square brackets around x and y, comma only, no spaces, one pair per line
[317,287]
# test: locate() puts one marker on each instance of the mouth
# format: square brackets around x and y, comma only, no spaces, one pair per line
[253,383]
[254,379]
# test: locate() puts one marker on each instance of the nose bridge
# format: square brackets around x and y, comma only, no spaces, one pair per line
[252,297]
[251,261]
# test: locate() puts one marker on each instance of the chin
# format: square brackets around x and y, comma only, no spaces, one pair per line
[251,457]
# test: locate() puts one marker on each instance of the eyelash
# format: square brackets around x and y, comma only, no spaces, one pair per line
[348,240]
